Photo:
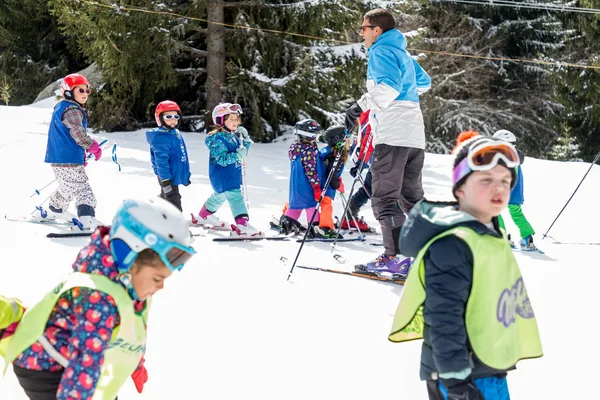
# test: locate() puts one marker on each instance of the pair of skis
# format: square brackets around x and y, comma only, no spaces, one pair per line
[72,228]
[359,272]
[278,237]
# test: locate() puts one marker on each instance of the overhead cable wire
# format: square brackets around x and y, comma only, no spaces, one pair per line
[556,63]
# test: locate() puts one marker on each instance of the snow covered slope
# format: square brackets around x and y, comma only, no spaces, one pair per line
[230,326]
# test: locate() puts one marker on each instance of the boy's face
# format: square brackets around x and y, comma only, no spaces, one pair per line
[485,193]
[232,122]
[81,93]
[170,121]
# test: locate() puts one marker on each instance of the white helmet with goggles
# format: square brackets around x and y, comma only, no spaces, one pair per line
[222,110]
[150,224]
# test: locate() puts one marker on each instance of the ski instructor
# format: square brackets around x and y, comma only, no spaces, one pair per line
[394,82]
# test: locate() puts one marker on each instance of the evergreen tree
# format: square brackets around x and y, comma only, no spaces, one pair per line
[33,53]
[578,89]
[486,95]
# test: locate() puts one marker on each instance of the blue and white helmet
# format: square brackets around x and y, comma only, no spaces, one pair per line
[150,224]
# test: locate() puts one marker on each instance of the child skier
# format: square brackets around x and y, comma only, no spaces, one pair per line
[337,143]
[68,143]
[225,172]
[88,335]
[517,199]
[465,296]
[305,186]
[168,152]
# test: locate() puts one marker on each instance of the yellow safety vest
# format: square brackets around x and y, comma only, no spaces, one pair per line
[127,345]
[499,318]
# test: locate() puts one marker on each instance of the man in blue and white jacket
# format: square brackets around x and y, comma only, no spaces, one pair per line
[394,82]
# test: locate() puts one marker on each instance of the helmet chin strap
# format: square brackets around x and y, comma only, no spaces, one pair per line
[125,279]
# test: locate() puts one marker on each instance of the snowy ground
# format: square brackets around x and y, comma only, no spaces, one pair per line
[230,326]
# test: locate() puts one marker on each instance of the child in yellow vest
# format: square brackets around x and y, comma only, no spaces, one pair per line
[464,295]
[86,337]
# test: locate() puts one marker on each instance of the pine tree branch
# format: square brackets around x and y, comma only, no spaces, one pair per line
[192,50]
[190,71]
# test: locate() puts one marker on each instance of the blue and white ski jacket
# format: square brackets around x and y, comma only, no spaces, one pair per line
[225,167]
[394,82]
[168,154]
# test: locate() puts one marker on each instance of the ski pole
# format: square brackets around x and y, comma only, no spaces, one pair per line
[344,202]
[317,208]
[244,187]
[244,184]
[577,188]
[38,192]
[362,162]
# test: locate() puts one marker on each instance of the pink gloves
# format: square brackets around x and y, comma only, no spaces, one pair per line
[96,150]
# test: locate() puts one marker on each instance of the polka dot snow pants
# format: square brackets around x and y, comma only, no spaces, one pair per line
[73,183]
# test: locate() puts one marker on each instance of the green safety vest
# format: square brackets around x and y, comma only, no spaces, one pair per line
[127,345]
[499,318]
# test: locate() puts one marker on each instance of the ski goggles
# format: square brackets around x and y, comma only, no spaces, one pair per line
[172,116]
[232,108]
[342,140]
[82,90]
[485,155]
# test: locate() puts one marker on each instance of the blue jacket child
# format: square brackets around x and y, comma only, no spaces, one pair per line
[227,152]
[168,152]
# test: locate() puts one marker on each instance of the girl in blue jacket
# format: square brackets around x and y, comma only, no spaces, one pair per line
[225,172]
[168,152]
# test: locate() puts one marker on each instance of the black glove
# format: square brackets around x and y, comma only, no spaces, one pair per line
[462,390]
[352,114]
[167,186]
[354,171]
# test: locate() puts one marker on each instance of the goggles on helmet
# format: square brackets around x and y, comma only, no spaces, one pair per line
[342,140]
[173,254]
[230,109]
[485,155]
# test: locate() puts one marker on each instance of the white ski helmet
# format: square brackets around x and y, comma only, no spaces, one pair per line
[150,224]
[505,135]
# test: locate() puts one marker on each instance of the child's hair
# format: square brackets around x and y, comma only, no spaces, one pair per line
[344,156]
[148,257]
[220,128]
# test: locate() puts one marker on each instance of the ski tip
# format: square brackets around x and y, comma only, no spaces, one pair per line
[59,235]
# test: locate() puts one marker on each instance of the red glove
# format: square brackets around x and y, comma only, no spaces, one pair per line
[341,188]
[96,150]
[317,189]
[140,376]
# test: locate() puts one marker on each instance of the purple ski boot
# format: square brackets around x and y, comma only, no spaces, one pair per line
[385,265]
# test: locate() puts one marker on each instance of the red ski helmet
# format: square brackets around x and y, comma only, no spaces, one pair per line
[165,106]
[69,82]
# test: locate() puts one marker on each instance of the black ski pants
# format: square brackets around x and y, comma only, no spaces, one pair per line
[397,187]
[39,385]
